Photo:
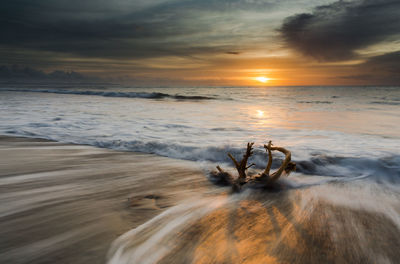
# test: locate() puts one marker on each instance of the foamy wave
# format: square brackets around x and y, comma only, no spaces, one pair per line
[144,95]
[379,169]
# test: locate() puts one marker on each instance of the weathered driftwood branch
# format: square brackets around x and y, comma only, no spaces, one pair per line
[268,149]
[241,166]
[264,178]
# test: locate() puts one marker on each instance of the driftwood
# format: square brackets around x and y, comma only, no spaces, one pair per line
[263,179]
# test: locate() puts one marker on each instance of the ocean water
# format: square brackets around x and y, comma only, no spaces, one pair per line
[331,131]
[340,206]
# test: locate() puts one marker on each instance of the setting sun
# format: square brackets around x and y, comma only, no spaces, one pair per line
[262,79]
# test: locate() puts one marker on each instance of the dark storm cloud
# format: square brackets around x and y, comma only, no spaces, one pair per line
[43,26]
[334,32]
[389,62]
[117,29]
[383,69]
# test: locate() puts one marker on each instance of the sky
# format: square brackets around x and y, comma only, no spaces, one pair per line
[207,42]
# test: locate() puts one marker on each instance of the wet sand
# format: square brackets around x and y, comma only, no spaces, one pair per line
[64,203]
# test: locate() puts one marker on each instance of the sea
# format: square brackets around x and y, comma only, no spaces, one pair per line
[345,141]
[331,131]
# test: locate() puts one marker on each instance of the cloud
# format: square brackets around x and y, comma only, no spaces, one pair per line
[125,29]
[135,30]
[389,62]
[17,73]
[336,31]
[383,69]
[232,52]
[378,70]
[91,31]
[195,40]
[122,29]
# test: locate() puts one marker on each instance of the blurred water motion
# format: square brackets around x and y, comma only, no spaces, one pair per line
[288,227]
[66,204]
[78,204]
[344,121]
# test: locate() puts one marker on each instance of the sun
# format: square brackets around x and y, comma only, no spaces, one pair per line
[262,79]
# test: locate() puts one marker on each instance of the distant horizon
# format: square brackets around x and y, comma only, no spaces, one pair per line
[92,80]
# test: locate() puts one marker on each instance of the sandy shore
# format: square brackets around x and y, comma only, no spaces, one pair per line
[64,203]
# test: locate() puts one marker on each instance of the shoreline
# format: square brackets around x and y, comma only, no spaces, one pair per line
[64,203]
[67,203]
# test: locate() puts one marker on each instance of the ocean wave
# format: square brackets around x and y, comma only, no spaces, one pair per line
[379,169]
[37,125]
[388,98]
[314,102]
[385,103]
[144,95]
[385,169]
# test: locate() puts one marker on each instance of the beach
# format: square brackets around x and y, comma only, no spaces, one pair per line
[79,204]
[200,132]
[65,203]
[120,175]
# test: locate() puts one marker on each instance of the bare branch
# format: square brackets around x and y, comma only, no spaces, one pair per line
[222,177]
[241,166]
[234,160]
[249,152]
[285,163]
[268,149]
[252,164]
